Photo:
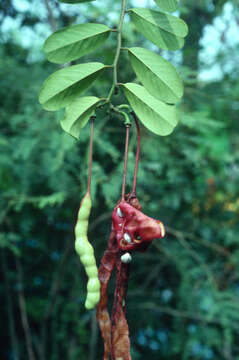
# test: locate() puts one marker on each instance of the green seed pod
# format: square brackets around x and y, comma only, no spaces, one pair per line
[92,299]
[93,285]
[86,252]
[87,260]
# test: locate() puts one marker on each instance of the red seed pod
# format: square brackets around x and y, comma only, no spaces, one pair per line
[107,265]
[134,230]
[131,230]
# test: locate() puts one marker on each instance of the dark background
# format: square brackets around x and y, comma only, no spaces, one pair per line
[183,292]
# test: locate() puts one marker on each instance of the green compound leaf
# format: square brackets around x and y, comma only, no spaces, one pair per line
[77,114]
[65,85]
[167,5]
[157,75]
[71,43]
[158,117]
[164,30]
[74,1]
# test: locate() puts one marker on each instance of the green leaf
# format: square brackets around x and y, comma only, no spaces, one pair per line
[164,30]
[157,75]
[74,1]
[166,22]
[167,5]
[158,117]
[77,114]
[73,42]
[65,85]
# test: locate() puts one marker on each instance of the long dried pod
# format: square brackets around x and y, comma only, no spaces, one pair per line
[107,265]
[120,331]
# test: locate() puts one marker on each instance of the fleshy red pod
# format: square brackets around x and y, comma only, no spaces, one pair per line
[135,230]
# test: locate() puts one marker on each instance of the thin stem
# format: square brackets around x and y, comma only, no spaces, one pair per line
[9,305]
[133,193]
[116,109]
[94,336]
[124,106]
[23,311]
[125,160]
[51,17]
[52,298]
[90,154]
[117,54]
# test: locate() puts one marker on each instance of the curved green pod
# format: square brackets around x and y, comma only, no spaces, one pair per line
[86,252]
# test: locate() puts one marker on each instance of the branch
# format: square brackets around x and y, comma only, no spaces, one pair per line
[23,311]
[178,313]
[119,42]
[201,263]
[181,238]
[8,298]
[94,336]
[99,219]
[51,18]
[90,153]
[218,248]
[57,278]
[55,286]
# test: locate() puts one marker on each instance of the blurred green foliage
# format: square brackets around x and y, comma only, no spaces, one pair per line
[183,292]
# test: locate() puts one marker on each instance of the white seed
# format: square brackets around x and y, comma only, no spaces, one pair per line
[127,238]
[162,229]
[119,212]
[126,258]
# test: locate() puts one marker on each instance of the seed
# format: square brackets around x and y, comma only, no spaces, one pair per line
[126,258]
[127,238]
[119,212]
[162,229]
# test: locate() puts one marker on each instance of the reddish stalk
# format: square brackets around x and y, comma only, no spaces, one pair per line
[133,192]
[125,160]
[119,330]
[90,153]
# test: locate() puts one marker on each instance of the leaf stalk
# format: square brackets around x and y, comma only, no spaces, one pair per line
[90,153]
[125,161]
[117,54]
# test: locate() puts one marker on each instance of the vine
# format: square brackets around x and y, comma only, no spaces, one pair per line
[153,104]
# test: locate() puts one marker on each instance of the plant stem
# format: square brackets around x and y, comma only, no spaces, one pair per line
[51,17]
[124,106]
[125,160]
[133,193]
[90,154]
[116,109]
[94,336]
[9,305]
[52,298]
[119,42]
[23,311]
